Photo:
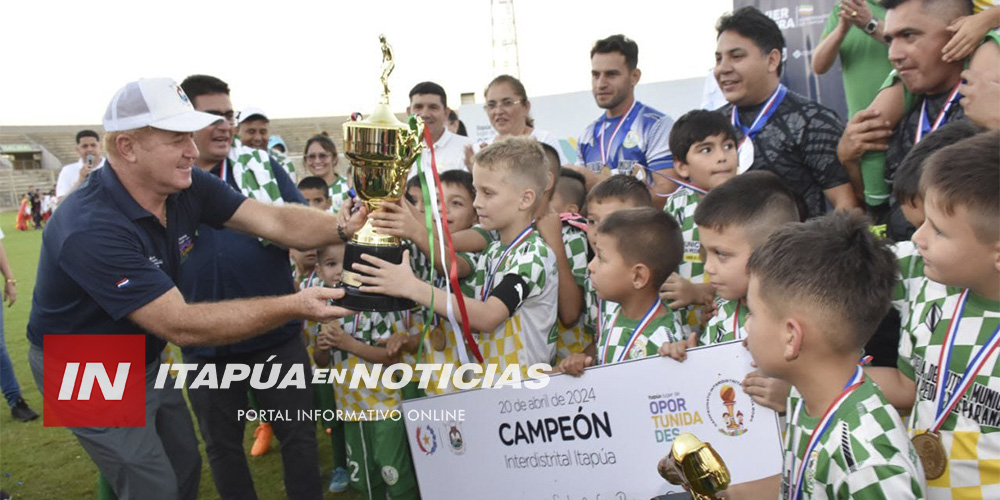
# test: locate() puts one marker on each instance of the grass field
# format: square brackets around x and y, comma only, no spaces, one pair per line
[41,462]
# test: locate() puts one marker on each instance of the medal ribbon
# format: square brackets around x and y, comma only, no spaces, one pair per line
[503,258]
[765,114]
[575,220]
[736,321]
[923,127]
[795,488]
[643,323]
[692,187]
[222,171]
[435,198]
[625,122]
[976,362]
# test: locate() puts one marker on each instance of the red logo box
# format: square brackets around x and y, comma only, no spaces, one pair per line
[94,380]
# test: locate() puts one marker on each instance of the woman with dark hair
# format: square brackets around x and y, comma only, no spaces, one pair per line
[321,161]
[455,125]
[509,111]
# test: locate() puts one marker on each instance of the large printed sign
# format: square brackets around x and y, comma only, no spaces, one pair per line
[596,436]
[802,23]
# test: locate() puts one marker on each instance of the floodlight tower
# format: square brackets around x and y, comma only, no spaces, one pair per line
[504,38]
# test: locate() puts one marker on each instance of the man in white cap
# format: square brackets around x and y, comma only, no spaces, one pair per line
[108,266]
[252,131]
[252,128]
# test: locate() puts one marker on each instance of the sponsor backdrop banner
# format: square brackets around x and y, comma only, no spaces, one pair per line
[802,23]
[602,433]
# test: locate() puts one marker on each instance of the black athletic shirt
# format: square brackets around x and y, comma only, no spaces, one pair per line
[799,143]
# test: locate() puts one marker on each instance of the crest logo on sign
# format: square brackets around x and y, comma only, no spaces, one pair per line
[427,439]
[729,409]
[456,441]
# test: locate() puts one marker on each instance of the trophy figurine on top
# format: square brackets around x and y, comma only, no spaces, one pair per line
[380,149]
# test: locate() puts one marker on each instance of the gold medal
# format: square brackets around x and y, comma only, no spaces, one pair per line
[437,338]
[932,454]
[606,170]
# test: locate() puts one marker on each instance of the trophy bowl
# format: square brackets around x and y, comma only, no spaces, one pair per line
[381,150]
[696,465]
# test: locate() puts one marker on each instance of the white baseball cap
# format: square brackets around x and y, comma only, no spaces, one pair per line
[248,113]
[154,102]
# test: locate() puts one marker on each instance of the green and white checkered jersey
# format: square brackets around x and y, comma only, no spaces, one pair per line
[662,329]
[339,193]
[574,338]
[971,433]
[591,307]
[575,243]
[421,266]
[286,163]
[489,236]
[910,278]
[682,204]
[253,173]
[529,335]
[369,327]
[866,453]
[310,328]
[728,313]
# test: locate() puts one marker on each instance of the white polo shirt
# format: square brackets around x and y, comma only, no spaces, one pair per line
[69,174]
[449,152]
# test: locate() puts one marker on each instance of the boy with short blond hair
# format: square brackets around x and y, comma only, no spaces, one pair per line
[514,310]
[954,323]
[635,250]
[817,292]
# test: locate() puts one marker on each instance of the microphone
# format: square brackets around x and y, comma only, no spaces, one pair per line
[90,160]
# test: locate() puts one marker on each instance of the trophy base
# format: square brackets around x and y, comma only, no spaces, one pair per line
[357,300]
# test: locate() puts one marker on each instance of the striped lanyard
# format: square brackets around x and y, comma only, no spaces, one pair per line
[795,488]
[688,185]
[758,123]
[606,153]
[977,360]
[643,323]
[492,270]
[923,125]
[223,173]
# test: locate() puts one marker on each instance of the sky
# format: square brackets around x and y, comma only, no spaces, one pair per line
[296,58]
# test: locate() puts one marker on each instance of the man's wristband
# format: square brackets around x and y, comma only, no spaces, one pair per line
[340,232]
[12,281]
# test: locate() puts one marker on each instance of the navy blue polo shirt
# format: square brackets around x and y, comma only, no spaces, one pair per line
[224,265]
[103,256]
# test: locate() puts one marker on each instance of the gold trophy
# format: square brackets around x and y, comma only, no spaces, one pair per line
[696,465]
[381,149]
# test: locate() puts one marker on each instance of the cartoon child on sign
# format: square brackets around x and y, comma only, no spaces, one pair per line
[734,422]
